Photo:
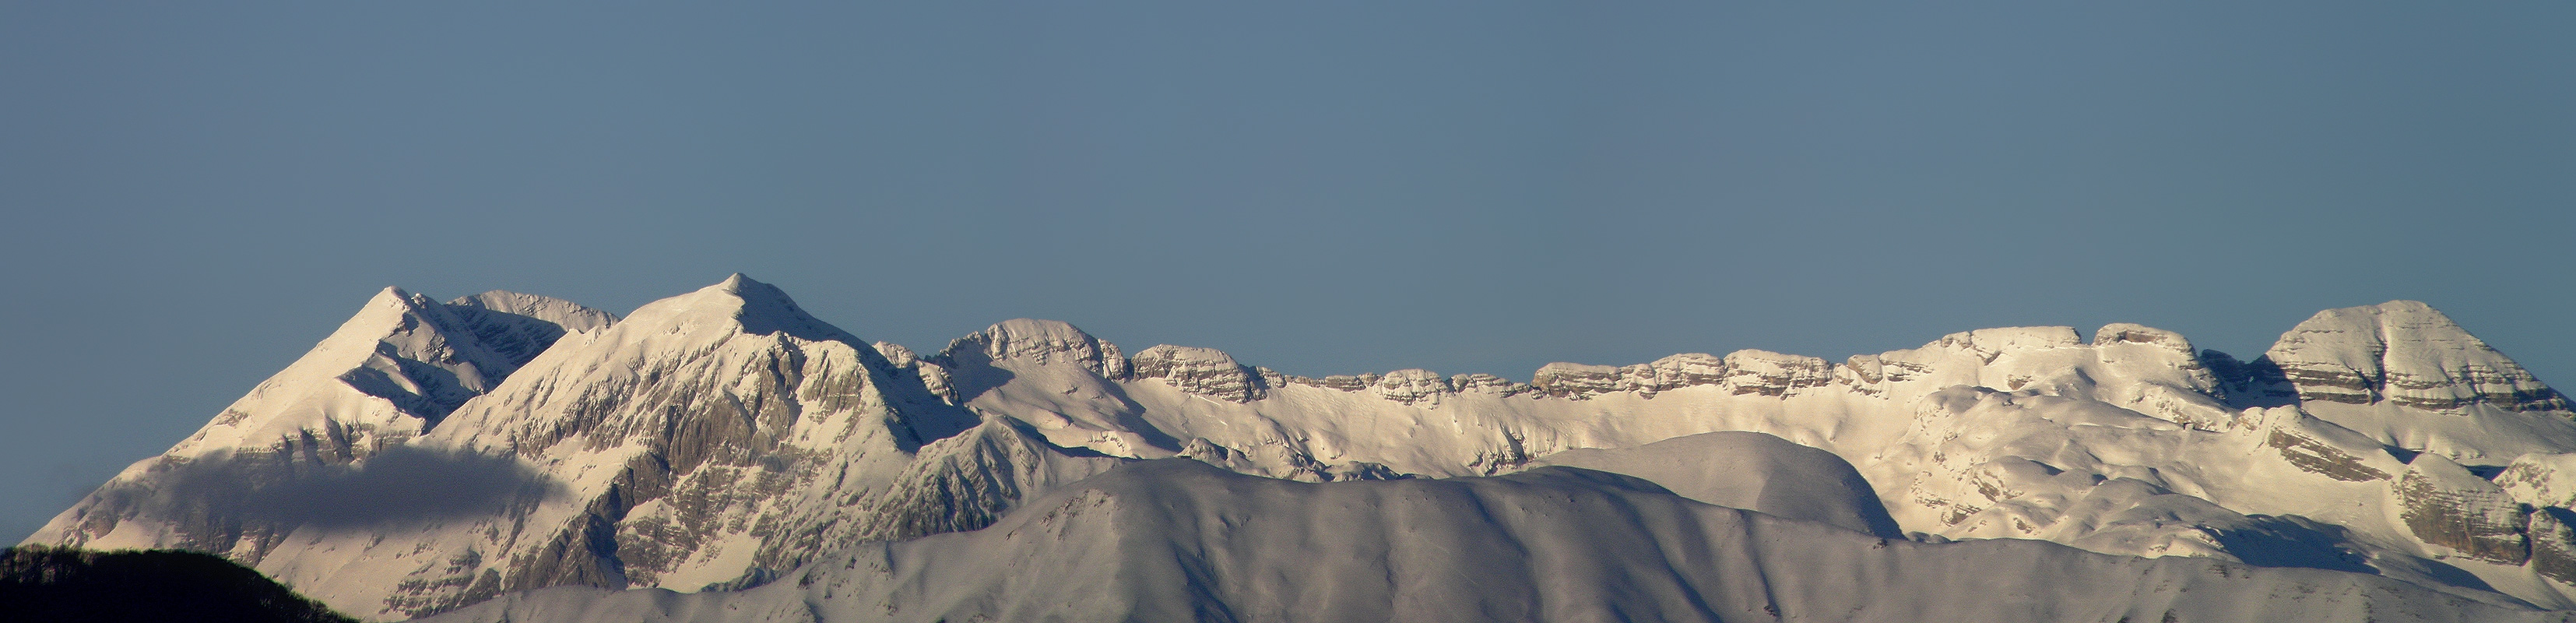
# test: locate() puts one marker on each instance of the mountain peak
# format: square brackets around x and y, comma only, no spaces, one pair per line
[739,302]
[735,283]
[392,370]
[388,306]
[1041,341]
[388,312]
[2408,306]
[2404,352]
[1037,331]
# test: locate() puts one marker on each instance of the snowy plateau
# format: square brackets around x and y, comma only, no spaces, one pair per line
[724,456]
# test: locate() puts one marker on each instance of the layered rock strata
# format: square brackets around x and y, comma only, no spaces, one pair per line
[2446,505]
[2405,353]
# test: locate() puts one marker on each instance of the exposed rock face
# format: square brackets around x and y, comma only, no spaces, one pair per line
[1684,370]
[2406,353]
[2320,458]
[916,370]
[1575,380]
[516,327]
[2242,381]
[1340,382]
[1411,386]
[897,354]
[2541,480]
[2321,448]
[2127,333]
[436,356]
[1774,374]
[1042,341]
[708,415]
[1987,344]
[567,315]
[1486,383]
[2553,544]
[2446,505]
[1202,371]
[1742,372]
[1579,381]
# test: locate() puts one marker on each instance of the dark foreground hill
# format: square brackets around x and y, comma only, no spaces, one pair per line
[71,586]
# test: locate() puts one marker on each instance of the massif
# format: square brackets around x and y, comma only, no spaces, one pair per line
[514,457]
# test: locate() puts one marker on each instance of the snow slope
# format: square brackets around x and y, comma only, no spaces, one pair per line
[702,438]
[1182,541]
[430,456]
[385,377]
[1751,471]
[2408,376]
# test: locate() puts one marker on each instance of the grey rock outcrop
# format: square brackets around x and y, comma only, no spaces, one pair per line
[1202,371]
[1774,374]
[1575,380]
[1480,382]
[2444,504]
[436,356]
[2553,544]
[1579,381]
[1040,341]
[1411,386]
[2129,333]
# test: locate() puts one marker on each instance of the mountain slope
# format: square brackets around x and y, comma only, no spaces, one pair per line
[430,456]
[388,375]
[1180,541]
[706,438]
[2408,376]
[1751,471]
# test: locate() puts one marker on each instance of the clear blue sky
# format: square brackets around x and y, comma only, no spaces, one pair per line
[194,193]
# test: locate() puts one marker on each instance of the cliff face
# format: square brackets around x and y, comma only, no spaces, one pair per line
[2446,505]
[2553,544]
[1201,371]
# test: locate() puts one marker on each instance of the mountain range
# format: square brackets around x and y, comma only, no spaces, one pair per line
[723,455]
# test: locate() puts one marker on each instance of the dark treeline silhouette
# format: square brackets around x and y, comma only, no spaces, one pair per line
[75,586]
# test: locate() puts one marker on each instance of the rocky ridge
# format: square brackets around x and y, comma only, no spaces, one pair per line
[725,437]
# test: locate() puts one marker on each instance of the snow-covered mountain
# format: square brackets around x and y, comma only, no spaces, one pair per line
[430,456]
[1177,540]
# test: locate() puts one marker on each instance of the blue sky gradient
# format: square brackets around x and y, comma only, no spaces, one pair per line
[191,194]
